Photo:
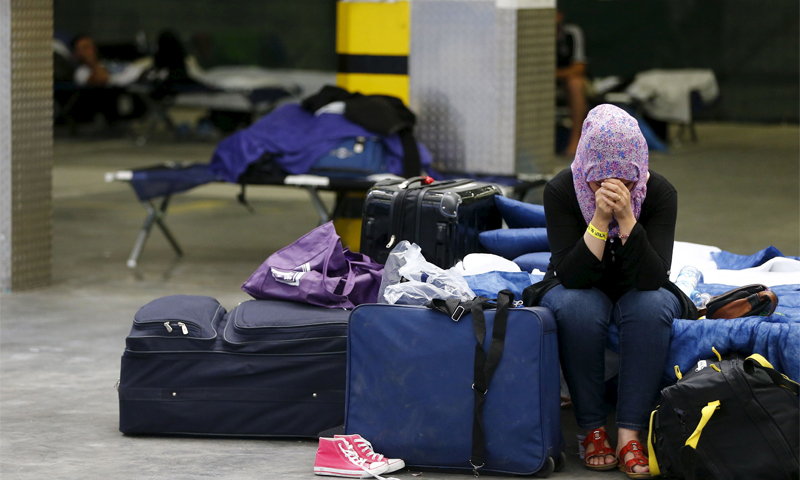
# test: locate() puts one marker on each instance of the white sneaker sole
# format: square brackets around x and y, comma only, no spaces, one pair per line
[393,467]
[339,472]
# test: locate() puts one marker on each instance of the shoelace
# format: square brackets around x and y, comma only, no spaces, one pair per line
[351,455]
[366,447]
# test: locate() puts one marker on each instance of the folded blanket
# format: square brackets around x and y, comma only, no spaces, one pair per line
[488,284]
[535,260]
[521,214]
[514,242]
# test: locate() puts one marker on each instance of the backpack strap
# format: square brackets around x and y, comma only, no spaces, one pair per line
[757,362]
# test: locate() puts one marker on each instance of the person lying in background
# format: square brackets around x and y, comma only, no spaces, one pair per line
[611,229]
[571,76]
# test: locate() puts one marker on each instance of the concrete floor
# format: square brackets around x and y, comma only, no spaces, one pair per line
[60,346]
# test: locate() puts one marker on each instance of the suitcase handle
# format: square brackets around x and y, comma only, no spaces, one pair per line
[411,180]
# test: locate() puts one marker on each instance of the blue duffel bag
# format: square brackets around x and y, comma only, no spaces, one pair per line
[424,386]
[353,157]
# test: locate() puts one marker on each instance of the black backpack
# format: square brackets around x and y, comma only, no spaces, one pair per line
[727,419]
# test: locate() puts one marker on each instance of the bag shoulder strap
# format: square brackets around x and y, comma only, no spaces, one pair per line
[485,364]
[757,361]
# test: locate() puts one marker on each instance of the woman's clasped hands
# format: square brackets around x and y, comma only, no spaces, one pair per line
[613,199]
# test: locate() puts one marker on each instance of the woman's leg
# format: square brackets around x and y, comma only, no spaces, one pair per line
[583,316]
[645,326]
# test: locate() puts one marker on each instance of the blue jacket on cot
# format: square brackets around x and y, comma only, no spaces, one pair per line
[297,139]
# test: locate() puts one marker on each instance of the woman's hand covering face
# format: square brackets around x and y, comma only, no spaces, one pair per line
[617,196]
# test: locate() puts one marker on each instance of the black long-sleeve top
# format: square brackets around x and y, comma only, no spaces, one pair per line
[642,263]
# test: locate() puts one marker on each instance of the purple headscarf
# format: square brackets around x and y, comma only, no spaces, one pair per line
[611,146]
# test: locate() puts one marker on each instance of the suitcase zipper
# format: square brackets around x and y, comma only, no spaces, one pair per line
[181,325]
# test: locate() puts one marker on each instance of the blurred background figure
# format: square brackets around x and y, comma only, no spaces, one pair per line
[90,70]
[169,73]
[571,76]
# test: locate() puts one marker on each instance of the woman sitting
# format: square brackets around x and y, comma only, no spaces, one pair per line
[611,227]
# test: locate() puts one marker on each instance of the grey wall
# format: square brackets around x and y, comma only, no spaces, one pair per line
[753,47]
[272,33]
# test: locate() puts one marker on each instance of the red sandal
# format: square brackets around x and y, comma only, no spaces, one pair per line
[597,437]
[639,458]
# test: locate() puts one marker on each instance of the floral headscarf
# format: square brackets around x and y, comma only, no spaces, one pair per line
[611,146]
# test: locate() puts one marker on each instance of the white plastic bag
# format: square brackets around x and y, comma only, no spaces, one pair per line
[408,279]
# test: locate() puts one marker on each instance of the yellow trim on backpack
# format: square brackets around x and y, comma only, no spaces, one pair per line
[653,462]
[678,372]
[716,368]
[706,413]
[765,363]
[761,360]
[719,357]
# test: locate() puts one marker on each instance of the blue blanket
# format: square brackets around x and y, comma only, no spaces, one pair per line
[776,337]
[731,261]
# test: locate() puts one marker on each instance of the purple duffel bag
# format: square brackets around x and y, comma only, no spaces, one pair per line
[317,270]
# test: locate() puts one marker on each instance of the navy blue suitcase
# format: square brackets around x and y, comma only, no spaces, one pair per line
[409,389]
[266,368]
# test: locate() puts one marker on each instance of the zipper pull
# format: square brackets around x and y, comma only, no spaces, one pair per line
[391,242]
[183,328]
[169,329]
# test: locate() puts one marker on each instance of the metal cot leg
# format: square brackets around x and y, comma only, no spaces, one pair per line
[154,215]
[324,216]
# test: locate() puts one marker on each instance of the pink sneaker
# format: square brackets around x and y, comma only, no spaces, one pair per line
[365,451]
[337,458]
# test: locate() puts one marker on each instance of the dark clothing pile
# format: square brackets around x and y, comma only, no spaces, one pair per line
[382,114]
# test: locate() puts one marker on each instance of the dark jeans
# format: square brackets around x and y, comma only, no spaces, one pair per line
[644,319]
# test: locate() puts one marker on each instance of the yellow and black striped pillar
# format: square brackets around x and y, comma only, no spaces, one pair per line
[372,42]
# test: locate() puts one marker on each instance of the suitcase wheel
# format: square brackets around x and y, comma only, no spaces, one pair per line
[548,468]
[561,462]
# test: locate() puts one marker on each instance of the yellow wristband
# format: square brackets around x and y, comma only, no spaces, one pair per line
[593,231]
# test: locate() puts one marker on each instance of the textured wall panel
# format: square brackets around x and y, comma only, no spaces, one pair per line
[469,63]
[535,92]
[505,53]
[5,144]
[453,83]
[31,142]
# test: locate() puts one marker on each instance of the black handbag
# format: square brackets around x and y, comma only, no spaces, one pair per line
[727,419]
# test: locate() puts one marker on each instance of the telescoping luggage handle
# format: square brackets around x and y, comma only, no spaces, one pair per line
[485,365]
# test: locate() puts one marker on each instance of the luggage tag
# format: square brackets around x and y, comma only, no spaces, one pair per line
[290,277]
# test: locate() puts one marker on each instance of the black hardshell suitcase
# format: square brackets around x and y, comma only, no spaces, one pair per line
[443,218]
[266,368]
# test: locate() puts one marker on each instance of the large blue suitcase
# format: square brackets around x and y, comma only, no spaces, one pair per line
[409,388]
[266,368]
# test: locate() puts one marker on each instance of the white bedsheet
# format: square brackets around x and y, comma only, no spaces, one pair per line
[778,271]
